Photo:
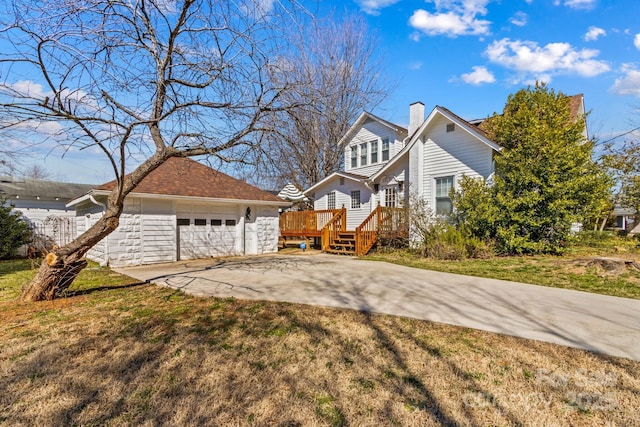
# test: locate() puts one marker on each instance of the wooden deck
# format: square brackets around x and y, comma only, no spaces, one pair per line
[330,227]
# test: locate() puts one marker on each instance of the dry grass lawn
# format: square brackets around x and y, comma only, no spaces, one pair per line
[119,353]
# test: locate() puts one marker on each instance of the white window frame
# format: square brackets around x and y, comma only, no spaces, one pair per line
[391,197]
[355,199]
[331,200]
[374,151]
[364,154]
[441,197]
[354,156]
[385,153]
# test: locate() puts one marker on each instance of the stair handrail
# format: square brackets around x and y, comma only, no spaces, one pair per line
[331,229]
[367,231]
[381,219]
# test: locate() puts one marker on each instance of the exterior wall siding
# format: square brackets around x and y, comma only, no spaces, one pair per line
[372,131]
[343,197]
[454,154]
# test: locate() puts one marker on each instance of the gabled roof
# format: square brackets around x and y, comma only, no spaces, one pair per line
[183,177]
[463,124]
[348,175]
[15,188]
[368,116]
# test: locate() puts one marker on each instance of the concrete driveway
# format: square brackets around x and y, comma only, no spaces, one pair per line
[603,324]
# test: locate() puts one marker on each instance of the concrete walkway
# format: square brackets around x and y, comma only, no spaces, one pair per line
[602,324]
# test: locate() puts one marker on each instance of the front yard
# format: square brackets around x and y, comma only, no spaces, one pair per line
[115,352]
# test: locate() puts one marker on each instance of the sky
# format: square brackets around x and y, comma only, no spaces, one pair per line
[469,55]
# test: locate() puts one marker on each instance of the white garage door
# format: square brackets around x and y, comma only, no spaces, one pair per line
[207,231]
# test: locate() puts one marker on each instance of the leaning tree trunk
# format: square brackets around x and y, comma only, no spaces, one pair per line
[60,267]
[54,277]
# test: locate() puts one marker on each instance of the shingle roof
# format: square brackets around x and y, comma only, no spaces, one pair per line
[11,187]
[180,176]
[575,103]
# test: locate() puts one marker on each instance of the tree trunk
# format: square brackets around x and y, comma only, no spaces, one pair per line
[60,267]
[54,277]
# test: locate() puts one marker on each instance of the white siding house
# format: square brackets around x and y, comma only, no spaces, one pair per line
[183,210]
[427,160]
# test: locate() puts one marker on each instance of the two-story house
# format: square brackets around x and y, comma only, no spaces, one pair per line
[385,163]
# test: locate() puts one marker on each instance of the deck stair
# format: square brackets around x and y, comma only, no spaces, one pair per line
[329,227]
[344,243]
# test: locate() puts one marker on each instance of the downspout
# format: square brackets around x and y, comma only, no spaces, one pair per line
[106,242]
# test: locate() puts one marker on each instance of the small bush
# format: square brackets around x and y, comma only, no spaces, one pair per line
[446,242]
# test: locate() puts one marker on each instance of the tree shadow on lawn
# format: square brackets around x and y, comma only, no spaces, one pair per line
[162,357]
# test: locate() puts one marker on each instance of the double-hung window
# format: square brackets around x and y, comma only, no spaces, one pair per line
[363,154]
[355,199]
[331,200]
[374,152]
[444,186]
[385,149]
[354,156]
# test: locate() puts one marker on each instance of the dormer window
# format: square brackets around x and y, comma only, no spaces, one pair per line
[354,156]
[363,154]
[385,149]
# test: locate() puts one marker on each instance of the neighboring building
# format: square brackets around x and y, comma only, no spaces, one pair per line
[183,210]
[624,219]
[43,203]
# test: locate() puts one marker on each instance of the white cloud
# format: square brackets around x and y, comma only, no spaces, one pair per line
[580,4]
[519,19]
[452,18]
[372,7]
[26,88]
[478,76]
[417,65]
[636,41]
[594,33]
[534,62]
[630,83]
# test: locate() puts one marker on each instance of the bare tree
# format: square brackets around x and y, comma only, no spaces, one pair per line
[339,75]
[151,78]
[36,171]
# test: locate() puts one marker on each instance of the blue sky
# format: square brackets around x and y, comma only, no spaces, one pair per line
[469,55]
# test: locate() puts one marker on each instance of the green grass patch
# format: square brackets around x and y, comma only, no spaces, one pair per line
[547,270]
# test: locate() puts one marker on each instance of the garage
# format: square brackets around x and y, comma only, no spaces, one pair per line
[183,210]
[207,231]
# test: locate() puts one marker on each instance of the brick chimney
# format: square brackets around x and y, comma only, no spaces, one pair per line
[416,116]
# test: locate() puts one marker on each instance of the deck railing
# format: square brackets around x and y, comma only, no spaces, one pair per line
[380,222]
[305,223]
[332,228]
